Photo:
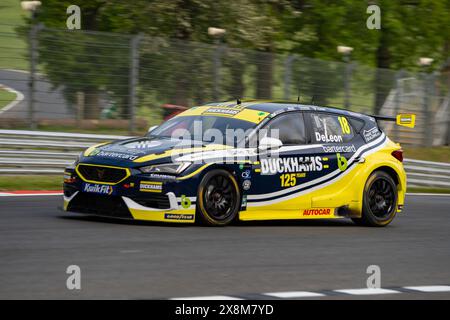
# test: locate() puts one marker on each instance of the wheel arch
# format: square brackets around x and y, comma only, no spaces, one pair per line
[390,171]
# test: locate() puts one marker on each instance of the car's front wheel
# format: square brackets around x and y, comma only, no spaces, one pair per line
[379,200]
[218,199]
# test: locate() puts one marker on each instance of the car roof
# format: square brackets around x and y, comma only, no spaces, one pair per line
[277,107]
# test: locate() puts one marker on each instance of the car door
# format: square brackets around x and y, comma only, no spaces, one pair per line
[280,173]
[335,134]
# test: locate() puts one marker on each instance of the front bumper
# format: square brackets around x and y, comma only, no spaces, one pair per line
[138,197]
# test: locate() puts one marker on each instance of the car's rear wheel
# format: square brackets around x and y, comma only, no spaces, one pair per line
[379,200]
[218,199]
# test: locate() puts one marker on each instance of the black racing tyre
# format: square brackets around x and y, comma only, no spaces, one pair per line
[379,200]
[218,198]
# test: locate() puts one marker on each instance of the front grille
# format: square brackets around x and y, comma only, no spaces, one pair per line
[107,206]
[102,174]
[158,201]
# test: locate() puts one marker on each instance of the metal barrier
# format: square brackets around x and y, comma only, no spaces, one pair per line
[37,152]
[427,173]
[41,152]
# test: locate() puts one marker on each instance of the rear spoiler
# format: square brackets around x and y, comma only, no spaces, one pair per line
[402,119]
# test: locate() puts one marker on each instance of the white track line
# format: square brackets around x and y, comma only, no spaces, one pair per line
[366,291]
[294,294]
[19,98]
[329,293]
[208,298]
[430,288]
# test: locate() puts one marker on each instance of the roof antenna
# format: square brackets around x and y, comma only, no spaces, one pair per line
[238,101]
[312,99]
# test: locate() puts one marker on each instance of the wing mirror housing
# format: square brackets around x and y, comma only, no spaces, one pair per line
[267,143]
[152,128]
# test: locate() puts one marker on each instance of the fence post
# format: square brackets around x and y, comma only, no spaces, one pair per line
[133,80]
[428,133]
[288,76]
[217,66]
[80,108]
[398,76]
[348,71]
[31,81]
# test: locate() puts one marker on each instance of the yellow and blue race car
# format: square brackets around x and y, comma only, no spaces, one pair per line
[251,160]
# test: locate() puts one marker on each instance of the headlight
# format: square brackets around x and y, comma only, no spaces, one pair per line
[167,168]
[75,163]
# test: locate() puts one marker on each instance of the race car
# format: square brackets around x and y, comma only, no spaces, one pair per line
[246,160]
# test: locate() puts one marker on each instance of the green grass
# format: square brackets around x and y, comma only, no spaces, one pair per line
[6,97]
[439,154]
[13,52]
[30,182]
[427,190]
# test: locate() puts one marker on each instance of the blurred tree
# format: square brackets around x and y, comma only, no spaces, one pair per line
[312,28]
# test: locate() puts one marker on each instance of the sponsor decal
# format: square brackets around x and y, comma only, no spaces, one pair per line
[328,138]
[318,212]
[112,154]
[291,164]
[224,111]
[342,162]
[246,184]
[244,200]
[246,174]
[341,149]
[185,202]
[371,134]
[171,216]
[143,144]
[150,186]
[98,188]
[162,176]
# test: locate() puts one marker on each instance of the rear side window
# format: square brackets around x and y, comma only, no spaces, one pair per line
[330,128]
[290,127]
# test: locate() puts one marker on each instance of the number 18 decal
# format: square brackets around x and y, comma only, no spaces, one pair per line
[344,125]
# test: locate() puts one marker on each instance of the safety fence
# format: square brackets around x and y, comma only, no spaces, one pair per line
[125,79]
[35,152]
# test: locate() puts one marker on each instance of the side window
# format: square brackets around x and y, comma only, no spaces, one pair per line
[290,128]
[328,128]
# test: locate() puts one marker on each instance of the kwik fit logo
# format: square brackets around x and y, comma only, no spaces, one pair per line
[98,188]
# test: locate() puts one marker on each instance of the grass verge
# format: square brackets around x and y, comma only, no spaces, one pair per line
[6,97]
[14,51]
[439,154]
[427,190]
[30,182]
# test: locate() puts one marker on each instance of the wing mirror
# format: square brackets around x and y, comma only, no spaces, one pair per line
[152,128]
[267,143]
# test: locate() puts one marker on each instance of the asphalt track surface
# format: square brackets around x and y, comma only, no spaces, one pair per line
[49,102]
[122,260]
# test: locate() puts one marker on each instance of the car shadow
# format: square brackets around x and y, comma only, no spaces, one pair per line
[239,224]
